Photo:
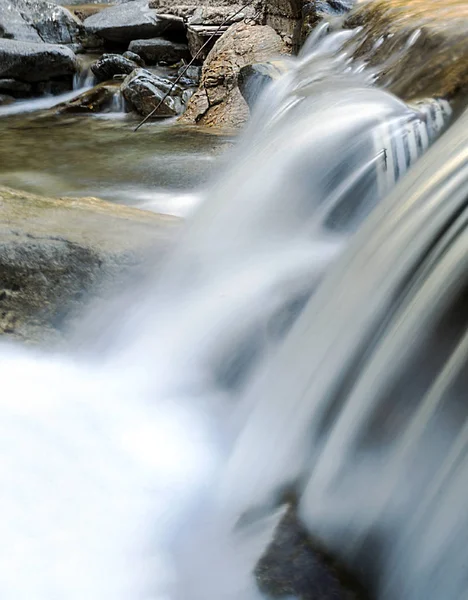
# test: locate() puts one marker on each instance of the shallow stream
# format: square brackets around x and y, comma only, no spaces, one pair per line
[158,168]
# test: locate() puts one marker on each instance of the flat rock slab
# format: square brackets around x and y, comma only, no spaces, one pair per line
[31,62]
[56,254]
[156,50]
[133,20]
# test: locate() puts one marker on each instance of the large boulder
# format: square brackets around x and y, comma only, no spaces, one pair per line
[144,91]
[38,21]
[417,49]
[31,62]
[157,50]
[218,101]
[56,254]
[133,20]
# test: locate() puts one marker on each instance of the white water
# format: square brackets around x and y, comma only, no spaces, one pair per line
[37,104]
[110,468]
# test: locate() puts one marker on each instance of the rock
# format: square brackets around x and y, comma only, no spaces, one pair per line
[191,75]
[97,99]
[158,50]
[18,89]
[202,38]
[32,62]
[294,566]
[6,99]
[218,101]
[253,79]
[314,12]
[57,254]
[130,21]
[209,12]
[112,64]
[418,49]
[144,91]
[38,21]
[136,59]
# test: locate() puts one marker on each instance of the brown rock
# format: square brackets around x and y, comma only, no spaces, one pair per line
[218,101]
[418,47]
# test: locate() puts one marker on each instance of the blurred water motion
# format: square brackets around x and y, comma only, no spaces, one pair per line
[126,475]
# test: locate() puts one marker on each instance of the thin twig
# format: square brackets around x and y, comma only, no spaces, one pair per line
[230,18]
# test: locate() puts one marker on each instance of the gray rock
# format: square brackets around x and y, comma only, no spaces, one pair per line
[57,254]
[190,75]
[110,65]
[18,89]
[157,50]
[136,59]
[144,91]
[131,21]
[32,62]
[295,566]
[38,21]
[6,99]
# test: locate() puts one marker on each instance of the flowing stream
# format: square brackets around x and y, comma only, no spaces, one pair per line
[271,351]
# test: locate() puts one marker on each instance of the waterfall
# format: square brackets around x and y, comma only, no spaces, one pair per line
[128,463]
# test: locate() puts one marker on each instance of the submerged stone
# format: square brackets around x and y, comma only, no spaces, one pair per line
[32,62]
[95,100]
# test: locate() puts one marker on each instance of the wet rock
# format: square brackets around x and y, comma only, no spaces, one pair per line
[6,99]
[314,12]
[159,50]
[133,20]
[95,100]
[54,87]
[253,79]
[418,49]
[31,62]
[144,91]
[294,566]
[112,64]
[18,89]
[202,38]
[57,254]
[218,101]
[190,75]
[38,21]
[136,59]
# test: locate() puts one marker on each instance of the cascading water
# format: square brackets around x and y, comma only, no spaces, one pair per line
[106,459]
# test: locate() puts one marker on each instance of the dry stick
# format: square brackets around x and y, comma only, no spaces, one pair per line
[230,18]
